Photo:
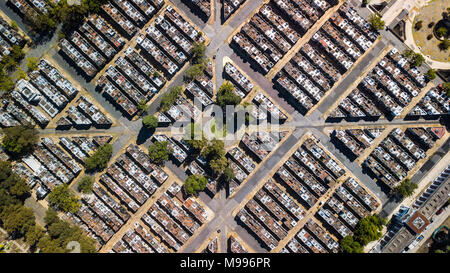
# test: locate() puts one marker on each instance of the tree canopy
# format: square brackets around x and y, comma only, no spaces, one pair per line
[406,188]
[376,22]
[190,138]
[446,87]
[13,188]
[445,44]
[226,96]
[169,98]
[194,71]
[64,199]
[142,106]
[198,52]
[195,183]
[368,229]
[60,233]
[348,245]
[431,74]
[159,152]
[32,63]
[416,59]
[214,152]
[85,184]
[441,32]
[150,122]
[99,160]
[228,174]
[17,219]
[19,140]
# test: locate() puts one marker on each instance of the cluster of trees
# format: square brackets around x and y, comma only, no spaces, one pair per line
[15,218]
[85,184]
[226,96]
[8,65]
[19,140]
[159,152]
[376,22]
[416,59]
[59,234]
[19,221]
[367,230]
[61,12]
[406,188]
[169,98]
[199,62]
[213,151]
[100,158]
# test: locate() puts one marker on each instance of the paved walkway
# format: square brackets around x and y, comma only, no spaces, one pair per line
[412,6]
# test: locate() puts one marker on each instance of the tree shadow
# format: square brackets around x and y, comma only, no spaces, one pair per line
[144,135]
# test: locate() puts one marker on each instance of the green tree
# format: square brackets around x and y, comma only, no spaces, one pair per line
[226,96]
[194,71]
[85,184]
[60,233]
[19,140]
[214,152]
[348,245]
[445,44]
[32,63]
[406,188]
[17,53]
[150,122]
[64,199]
[99,160]
[51,216]
[446,88]
[34,234]
[14,25]
[376,22]
[442,32]
[142,106]
[20,74]
[159,152]
[17,219]
[169,98]
[218,165]
[215,149]
[228,174]
[195,183]
[13,188]
[6,83]
[417,60]
[431,74]
[368,229]
[190,138]
[198,52]
[408,53]
[418,25]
